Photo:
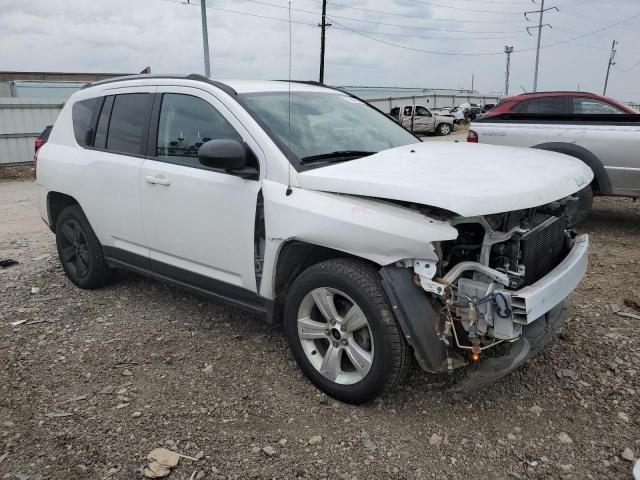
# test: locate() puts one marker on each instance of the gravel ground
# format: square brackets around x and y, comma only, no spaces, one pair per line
[93,381]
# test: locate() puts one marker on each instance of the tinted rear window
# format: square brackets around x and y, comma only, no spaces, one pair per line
[81,113]
[543,105]
[129,122]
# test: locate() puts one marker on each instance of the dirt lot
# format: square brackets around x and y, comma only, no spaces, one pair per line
[93,381]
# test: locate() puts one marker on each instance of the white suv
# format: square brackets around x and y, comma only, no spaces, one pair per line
[309,206]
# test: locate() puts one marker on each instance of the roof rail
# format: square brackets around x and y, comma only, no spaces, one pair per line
[194,76]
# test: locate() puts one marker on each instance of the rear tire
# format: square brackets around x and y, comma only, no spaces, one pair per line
[579,210]
[340,287]
[80,251]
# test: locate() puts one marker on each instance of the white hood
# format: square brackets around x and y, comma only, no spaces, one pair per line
[467,179]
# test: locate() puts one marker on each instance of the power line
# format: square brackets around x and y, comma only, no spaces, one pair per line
[181,2]
[560,42]
[309,24]
[422,2]
[344,27]
[628,69]
[383,12]
[260,2]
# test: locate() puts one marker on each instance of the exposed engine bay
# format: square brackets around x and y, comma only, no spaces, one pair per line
[478,276]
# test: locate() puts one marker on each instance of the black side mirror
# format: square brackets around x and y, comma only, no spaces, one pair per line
[225,154]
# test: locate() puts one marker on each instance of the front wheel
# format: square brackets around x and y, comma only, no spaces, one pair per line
[342,332]
[444,129]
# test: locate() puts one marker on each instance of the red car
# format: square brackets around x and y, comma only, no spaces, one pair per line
[558,103]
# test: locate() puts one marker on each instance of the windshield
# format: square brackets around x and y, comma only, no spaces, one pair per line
[326,127]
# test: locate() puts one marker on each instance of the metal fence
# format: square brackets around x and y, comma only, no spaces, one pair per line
[21,121]
[430,101]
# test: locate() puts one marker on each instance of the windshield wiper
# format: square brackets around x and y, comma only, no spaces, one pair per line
[337,156]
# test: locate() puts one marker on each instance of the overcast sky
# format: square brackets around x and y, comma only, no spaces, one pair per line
[128,35]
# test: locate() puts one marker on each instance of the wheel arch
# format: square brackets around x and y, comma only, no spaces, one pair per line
[56,203]
[600,184]
[294,257]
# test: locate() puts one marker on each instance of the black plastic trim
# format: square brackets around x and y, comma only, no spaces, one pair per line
[565,119]
[206,286]
[418,317]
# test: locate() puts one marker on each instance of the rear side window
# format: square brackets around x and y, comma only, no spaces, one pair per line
[81,113]
[544,105]
[129,123]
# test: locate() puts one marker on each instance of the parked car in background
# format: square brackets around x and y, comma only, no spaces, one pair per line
[559,103]
[421,120]
[373,248]
[42,138]
[601,132]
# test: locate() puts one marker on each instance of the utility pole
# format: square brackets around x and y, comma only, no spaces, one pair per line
[508,51]
[205,38]
[473,80]
[323,27]
[539,27]
[612,58]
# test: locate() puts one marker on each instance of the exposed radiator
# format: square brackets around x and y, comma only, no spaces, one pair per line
[543,248]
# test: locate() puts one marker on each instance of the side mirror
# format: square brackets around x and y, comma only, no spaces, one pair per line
[225,154]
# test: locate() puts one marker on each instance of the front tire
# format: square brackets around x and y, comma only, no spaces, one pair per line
[444,129]
[80,251]
[342,332]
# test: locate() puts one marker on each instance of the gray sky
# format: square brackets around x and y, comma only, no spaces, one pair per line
[127,35]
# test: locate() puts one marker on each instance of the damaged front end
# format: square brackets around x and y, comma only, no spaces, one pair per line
[493,296]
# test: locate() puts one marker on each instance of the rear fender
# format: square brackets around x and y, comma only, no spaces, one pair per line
[576,151]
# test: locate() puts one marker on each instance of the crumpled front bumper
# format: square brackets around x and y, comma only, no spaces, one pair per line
[530,303]
[538,310]
[534,337]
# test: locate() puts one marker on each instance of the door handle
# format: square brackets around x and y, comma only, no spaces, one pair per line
[158,180]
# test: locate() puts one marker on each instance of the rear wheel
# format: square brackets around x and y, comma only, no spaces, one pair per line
[79,250]
[578,210]
[444,129]
[342,332]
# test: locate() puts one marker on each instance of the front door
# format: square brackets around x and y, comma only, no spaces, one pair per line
[424,121]
[198,221]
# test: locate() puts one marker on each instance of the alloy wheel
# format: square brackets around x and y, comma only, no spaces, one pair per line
[75,250]
[335,335]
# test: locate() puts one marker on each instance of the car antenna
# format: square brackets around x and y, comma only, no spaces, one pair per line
[523,89]
[289,190]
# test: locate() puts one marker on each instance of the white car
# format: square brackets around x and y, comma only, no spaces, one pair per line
[421,120]
[307,205]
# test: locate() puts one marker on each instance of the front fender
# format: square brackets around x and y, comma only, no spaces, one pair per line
[380,232]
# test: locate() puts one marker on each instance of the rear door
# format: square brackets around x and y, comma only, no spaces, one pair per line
[113,155]
[198,221]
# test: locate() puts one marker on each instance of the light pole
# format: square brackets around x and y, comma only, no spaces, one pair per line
[205,38]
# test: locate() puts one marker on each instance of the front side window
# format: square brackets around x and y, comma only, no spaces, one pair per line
[422,112]
[81,113]
[325,127]
[407,111]
[129,121]
[186,122]
[593,106]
